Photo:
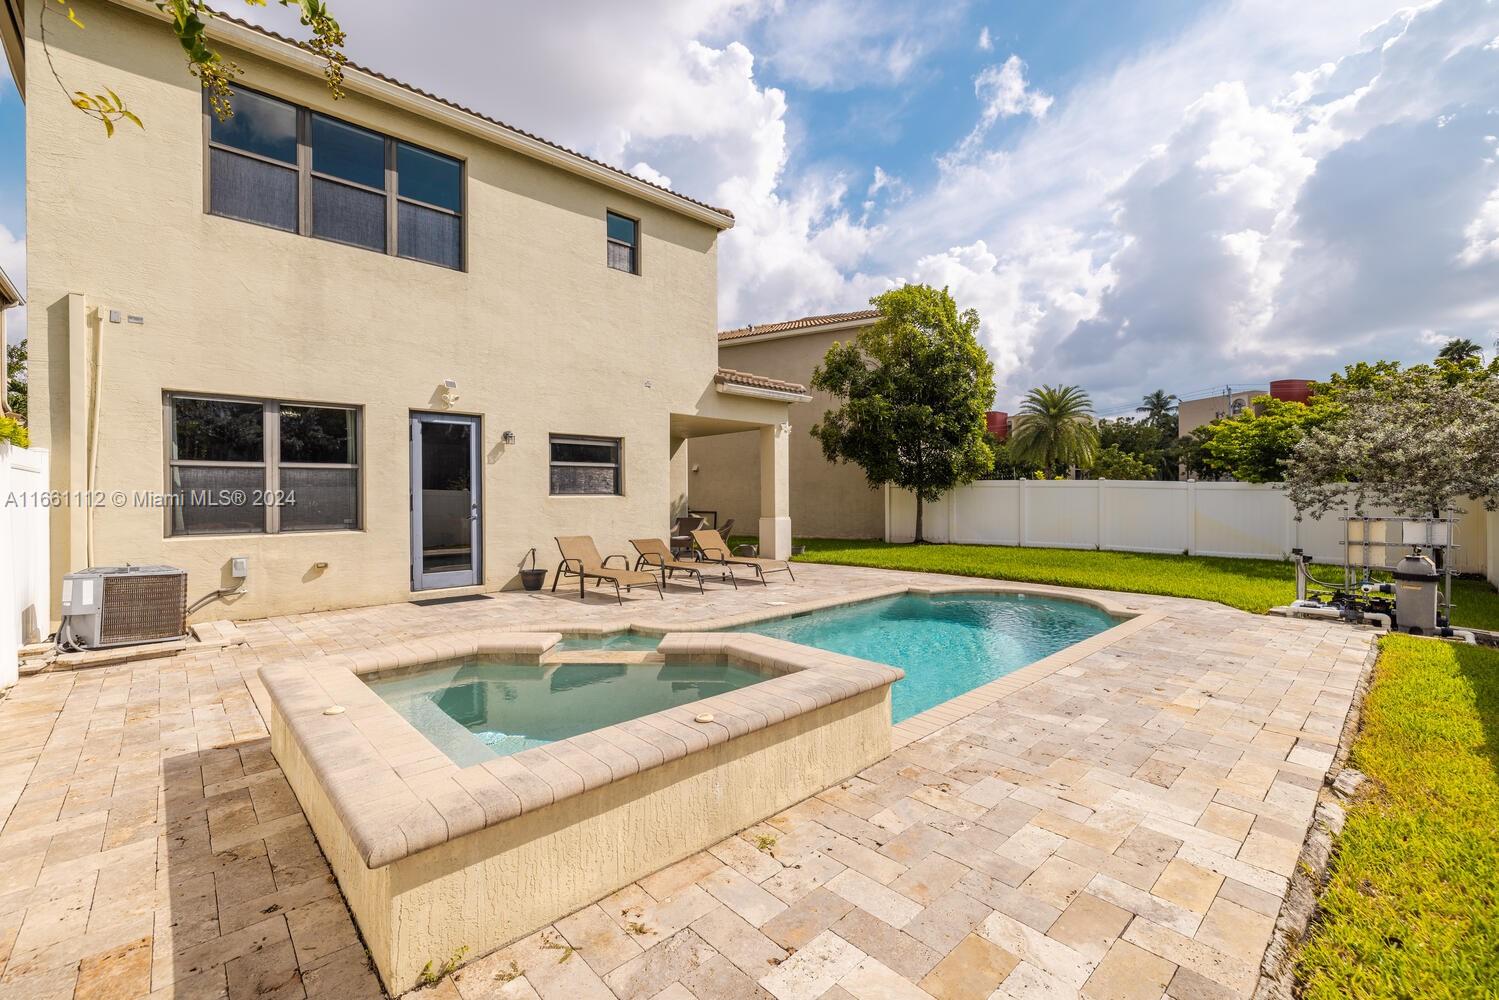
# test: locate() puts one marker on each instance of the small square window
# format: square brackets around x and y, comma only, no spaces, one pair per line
[622,251]
[585,466]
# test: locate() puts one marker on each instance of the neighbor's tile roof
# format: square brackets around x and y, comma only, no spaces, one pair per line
[805,323]
[758,381]
[349,65]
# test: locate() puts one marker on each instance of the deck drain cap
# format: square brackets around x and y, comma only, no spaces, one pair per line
[334,710]
[705,717]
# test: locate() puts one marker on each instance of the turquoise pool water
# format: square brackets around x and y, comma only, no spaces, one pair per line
[947,645]
[630,641]
[476,711]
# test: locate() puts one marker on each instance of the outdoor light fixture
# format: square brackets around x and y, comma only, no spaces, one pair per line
[450,391]
[508,437]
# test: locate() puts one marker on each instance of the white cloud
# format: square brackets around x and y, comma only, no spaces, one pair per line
[1275,189]
[985,42]
[838,44]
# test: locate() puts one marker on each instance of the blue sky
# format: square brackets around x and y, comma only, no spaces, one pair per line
[1169,194]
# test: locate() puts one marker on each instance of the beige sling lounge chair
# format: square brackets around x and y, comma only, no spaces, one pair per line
[580,558]
[657,554]
[715,550]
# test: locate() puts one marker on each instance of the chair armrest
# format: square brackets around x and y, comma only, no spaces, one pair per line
[566,565]
[650,559]
[623,559]
[722,554]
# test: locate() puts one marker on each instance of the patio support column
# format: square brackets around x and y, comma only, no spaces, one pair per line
[775,491]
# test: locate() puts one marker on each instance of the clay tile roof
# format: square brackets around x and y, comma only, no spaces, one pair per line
[758,381]
[353,66]
[805,323]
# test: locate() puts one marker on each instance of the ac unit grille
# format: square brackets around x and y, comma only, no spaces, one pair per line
[144,608]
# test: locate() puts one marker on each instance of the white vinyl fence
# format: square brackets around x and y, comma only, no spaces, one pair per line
[1209,519]
[25,601]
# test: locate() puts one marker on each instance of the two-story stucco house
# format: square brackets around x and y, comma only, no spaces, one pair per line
[828,500]
[380,347]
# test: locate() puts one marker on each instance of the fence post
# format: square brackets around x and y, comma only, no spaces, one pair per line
[1098,513]
[1191,517]
[1021,504]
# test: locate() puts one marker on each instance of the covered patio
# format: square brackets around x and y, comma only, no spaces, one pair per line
[737,402]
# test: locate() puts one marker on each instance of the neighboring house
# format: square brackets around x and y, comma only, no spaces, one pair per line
[827,500]
[1193,413]
[381,347]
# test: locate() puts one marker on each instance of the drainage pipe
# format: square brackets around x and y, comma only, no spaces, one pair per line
[1311,610]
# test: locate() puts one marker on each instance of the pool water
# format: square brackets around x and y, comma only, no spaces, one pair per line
[476,711]
[948,644]
[627,641]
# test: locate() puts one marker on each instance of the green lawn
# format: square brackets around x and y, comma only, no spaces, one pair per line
[1412,907]
[1251,584]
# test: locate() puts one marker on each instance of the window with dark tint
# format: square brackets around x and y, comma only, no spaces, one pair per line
[320,467]
[585,465]
[430,190]
[340,187]
[341,211]
[252,160]
[217,463]
[623,249]
[224,479]
[218,430]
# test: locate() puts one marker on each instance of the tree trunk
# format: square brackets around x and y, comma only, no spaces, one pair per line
[919,505]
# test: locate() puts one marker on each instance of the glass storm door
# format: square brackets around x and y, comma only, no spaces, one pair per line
[445,525]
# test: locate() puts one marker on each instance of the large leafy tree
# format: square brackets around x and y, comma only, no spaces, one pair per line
[1254,445]
[1416,440]
[1149,444]
[914,387]
[15,378]
[1111,462]
[189,24]
[1054,428]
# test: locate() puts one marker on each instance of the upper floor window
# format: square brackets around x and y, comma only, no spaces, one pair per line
[623,250]
[290,168]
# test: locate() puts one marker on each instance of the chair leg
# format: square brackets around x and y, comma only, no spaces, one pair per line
[699,582]
[789,573]
[558,578]
[618,599]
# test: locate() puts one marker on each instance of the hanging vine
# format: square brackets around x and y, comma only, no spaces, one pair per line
[189,20]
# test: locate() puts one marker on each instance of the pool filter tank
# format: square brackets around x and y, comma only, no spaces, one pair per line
[1416,580]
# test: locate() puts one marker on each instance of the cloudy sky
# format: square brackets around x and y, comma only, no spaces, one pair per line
[1133,196]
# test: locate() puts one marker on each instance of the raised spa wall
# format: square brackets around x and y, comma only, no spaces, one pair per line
[438,861]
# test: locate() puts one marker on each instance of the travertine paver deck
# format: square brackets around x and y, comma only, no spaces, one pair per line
[1122,826]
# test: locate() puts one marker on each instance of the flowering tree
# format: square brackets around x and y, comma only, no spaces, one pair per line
[1416,440]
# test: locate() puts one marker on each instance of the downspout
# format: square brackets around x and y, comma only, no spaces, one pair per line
[93,439]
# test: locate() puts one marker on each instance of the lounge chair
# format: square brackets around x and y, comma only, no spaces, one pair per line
[580,558]
[715,550]
[658,555]
[681,533]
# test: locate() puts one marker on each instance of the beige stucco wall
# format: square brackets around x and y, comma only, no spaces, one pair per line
[1193,413]
[540,334]
[488,888]
[827,500]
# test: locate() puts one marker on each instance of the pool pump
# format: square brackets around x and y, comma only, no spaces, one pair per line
[1412,551]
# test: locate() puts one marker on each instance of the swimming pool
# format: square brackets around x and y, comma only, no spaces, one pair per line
[947,644]
[478,710]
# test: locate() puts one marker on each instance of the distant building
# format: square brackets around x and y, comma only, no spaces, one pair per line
[1193,413]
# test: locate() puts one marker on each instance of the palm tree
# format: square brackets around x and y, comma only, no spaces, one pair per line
[1459,350]
[1159,408]
[1054,427]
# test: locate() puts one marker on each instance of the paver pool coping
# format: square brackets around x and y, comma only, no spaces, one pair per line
[398,794]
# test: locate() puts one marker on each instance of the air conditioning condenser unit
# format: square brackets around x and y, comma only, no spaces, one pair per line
[127,605]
